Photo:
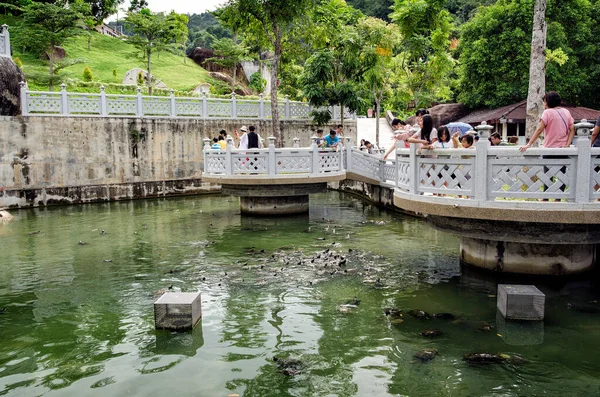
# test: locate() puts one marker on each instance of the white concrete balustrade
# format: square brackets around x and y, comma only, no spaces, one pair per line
[483,175]
[4,41]
[63,103]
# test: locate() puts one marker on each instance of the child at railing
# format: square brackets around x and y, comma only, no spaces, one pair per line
[444,141]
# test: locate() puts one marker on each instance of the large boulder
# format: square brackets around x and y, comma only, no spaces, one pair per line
[444,114]
[200,56]
[131,78]
[59,53]
[240,90]
[10,91]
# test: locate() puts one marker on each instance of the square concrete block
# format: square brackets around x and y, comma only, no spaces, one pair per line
[177,311]
[521,302]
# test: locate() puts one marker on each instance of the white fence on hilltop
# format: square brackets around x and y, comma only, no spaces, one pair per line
[63,103]
[4,41]
[482,174]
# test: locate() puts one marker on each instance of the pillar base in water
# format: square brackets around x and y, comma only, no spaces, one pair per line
[527,258]
[285,205]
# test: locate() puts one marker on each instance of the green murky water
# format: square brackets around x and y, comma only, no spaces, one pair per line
[79,318]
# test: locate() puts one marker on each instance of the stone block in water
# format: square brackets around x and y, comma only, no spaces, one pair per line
[177,311]
[520,332]
[521,302]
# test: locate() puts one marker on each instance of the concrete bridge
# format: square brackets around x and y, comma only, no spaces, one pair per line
[535,212]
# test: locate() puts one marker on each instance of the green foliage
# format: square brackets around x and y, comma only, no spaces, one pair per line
[87,74]
[320,117]
[374,8]
[257,83]
[140,79]
[102,9]
[114,72]
[229,54]
[495,49]
[18,62]
[220,88]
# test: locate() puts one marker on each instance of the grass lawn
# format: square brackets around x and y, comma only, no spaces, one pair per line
[107,54]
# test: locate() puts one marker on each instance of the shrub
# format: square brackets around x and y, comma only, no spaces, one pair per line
[87,74]
[115,73]
[140,78]
[18,62]
[257,83]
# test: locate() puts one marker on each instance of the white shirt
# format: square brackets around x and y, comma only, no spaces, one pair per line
[244,141]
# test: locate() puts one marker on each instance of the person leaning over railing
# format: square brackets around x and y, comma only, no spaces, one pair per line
[558,127]
[398,126]
[331,140]
[426,136]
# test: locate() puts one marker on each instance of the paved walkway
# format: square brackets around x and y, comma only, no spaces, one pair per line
[366,130]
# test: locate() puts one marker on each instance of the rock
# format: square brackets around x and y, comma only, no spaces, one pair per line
[59,53]
[431,333]
[5,217]
[420,314]
[443,114]
[10,90]
[426,355]
[240,90]
[132,75]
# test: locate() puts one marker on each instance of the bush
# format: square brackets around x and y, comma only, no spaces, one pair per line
[18,62]
[140,78]
[115,73]
[257,83]
[87,74]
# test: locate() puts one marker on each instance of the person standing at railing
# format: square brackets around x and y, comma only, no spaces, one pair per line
[558,127]
[320,141]
[243,138]
[253,139]
[401,132]
[444,140]
[556,124]
[595,133]
[426,136]
[331,140]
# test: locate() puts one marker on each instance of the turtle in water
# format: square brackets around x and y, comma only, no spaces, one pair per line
[392,312]
[431,333]
[288,366]
[426,355]
[444,316]
[420,314]
[484,358]
[354,301]
[486,327]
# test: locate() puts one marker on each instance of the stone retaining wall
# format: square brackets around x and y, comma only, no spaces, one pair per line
[59,160]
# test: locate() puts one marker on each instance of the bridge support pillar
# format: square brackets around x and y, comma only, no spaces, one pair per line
[527,258]
[284,199]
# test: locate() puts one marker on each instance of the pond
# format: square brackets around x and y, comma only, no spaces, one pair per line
[78,283]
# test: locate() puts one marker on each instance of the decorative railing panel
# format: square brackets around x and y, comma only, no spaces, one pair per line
[84,104]
[445,176]
[44,102]
[250,162]
[214,162]
[75,104]
[389,171]
[330,161]
[595,174]
[290,162]
[121,105]
[365,164]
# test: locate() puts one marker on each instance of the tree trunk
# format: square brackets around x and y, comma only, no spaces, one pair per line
[342,116]
[149,76]
[274,105]
[51,71]
[234,77]
[537,69]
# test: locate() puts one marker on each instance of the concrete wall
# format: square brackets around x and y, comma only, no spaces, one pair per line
[379,195]
[47,160]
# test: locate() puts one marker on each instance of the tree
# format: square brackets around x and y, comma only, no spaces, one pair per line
[379,42]
[46,26]
[137,5]
[276,17]
[426,63]
[179,25]
[153,32]
[229,54]
[102,9]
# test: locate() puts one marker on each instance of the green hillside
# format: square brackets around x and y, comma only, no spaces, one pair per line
[106,54]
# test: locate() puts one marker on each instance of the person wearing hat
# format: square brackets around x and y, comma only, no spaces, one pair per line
[244,138]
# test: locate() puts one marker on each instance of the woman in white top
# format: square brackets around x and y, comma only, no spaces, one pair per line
[427,135]
[444,140]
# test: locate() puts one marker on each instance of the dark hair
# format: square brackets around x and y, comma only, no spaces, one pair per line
[251,128]
[319,131]
[340,126]
[398,121]
[223,133]
[427,127]
[441,131]
[552,99]
[476,137]
[468,137]
[495,135]
[332,132]
[421,112]
[367,143]
[215,140]
[513,139]
[221,138]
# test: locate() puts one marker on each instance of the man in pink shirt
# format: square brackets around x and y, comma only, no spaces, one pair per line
[556,123]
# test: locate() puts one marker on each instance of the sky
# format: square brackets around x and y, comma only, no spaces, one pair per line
[179,6]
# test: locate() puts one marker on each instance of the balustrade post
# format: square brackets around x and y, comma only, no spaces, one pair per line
[64,100]
[103,102]
[139,109]
[233,106]
[6,40]
[272,170]
[484,130]
[315,155]
[287,107]
[584,162]
[348,148]
[24,99]
[204,106]
[261,106]
[229,158]
[414,171]
[480,179]
[172,104]
[206,151]
[296,142]
[381,170]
